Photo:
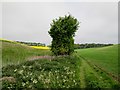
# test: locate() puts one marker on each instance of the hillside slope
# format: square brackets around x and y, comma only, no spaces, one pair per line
[14,53]
[105,57]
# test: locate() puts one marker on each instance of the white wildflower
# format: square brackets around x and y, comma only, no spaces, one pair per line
[20,72]
[30,86]
[35,81]
[74,81]
[30,67]
[23,84]
[23,67]
[47,80]
[15,70]
[57,77]
[30,74]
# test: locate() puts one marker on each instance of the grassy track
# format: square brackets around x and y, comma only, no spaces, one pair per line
[106,57]
[82,75]
[97,65]
[95,78]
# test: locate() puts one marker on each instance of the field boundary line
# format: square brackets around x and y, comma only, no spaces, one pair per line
[82,76]
[116,78]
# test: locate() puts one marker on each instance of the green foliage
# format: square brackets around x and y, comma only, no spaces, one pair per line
[62,32]
[61,72]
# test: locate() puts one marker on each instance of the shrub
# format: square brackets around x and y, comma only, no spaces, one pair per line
[62,32]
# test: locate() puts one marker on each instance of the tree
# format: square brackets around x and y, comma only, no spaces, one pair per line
[62,32]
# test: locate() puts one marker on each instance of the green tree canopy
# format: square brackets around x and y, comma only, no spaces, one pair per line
[62,32]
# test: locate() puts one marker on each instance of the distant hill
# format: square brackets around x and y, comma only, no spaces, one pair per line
[90,45]
[32,43]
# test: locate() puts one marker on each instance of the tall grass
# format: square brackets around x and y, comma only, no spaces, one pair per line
[15,53]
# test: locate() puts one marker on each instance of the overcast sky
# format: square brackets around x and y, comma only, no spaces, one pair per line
[30,21]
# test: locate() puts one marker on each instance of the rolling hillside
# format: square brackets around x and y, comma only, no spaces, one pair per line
[105,57]
[86,68]
[13,52]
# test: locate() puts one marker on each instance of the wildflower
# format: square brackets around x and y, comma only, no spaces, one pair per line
[64,80]
[23,84]
[20,72]
[23,67]
[27,76]
[47,80]
[30,67]
[59,84]
[24,77]
[30,86]
[65,76]
[30,74]
[74,81]
[31,79]
[57,77]
[40,67]
[55,71]
[39,77]
[15,70]
[27,82]
[35,81]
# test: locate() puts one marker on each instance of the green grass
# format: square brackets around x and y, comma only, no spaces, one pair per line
[15,53]
[75,71]
[95,78]
[61,72]
[105,57]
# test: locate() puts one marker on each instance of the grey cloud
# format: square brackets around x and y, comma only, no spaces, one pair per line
[31,21]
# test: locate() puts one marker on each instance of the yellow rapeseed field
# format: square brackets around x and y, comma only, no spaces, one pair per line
[40,47]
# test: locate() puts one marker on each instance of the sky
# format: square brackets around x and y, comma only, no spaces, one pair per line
[30,21]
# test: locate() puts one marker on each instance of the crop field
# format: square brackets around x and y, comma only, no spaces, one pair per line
[86,68]
[40,47]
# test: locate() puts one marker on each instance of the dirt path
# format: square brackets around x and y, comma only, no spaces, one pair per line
[10,79]
[44,57]
[40,57]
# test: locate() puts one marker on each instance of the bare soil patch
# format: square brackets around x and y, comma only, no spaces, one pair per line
[40,57]
[10,79]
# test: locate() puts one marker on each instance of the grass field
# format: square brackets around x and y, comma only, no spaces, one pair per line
[86,68]
[15,53]
[105,57]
